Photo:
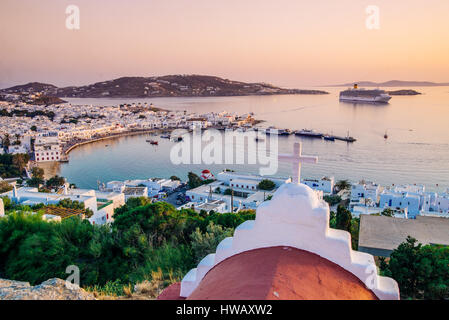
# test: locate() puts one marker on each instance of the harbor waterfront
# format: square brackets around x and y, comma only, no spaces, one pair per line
[416,150]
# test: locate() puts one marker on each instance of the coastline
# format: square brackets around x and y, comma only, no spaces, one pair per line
[67,149]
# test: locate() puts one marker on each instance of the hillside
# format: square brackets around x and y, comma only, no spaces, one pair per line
[30,88]
[165,86]
[404,92]
[394,83]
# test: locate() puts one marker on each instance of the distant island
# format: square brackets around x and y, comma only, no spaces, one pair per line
[164,86]
[394,83]
[405,92]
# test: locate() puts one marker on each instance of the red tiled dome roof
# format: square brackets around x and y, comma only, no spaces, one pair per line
[283,273]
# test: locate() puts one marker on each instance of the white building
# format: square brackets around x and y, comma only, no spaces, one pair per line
[325,184]
[101,204]
[218,206]
[401,199]
[47,147]
[16,149]
[246,195]
[365,192]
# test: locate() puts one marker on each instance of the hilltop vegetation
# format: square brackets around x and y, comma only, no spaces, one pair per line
[143,239]
[164,86]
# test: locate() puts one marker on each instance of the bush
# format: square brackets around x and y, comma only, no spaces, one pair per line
[5,187]
[332,200]
[343,219]
[266,184]
[422,272]
[207,242]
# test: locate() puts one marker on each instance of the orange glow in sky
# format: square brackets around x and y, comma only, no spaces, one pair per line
[285,42]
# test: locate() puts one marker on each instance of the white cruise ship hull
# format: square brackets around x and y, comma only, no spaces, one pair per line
[378,99]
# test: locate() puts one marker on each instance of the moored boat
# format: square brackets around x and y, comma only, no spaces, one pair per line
[309,133]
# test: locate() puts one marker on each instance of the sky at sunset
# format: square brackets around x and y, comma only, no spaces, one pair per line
[285,42]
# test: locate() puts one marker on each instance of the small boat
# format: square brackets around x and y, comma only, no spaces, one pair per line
[165,136]
[328,137]
[309,133]
[153,142]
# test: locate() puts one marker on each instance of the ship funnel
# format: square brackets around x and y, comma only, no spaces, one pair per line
[355,86]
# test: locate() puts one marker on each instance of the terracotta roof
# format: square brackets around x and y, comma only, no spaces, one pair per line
[277,273]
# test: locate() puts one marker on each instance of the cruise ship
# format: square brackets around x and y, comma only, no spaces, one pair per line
[363,95]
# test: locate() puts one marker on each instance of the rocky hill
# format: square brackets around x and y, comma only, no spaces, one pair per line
[31,88]
[53,289]
[404,92]
[165,86]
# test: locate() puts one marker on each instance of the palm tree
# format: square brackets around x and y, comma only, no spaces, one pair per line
[342,185]
[6,142]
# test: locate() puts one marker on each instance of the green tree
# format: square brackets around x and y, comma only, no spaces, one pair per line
[343,219]
[5,187]
[332,200]
[422,272]
[204,243]
[17,142]
[342,185]
[6,141]
[387,212]
[266,184]
[55,182]
[194,180]
[20,161]
[37,173]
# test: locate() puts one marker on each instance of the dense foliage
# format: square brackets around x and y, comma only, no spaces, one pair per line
[266,184]
[332,200]
[5,187]
[143,238]
[422,272]
[12,166]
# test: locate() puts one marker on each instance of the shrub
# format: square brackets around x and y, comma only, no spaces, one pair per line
[266,184]
[207,242]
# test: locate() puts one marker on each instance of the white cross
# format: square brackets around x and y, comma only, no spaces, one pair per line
[296,159]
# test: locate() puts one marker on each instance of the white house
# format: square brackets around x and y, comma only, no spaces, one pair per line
[102,208]
[246,195]
[47,147]
[401,200]
[218,206]
[325,184]
[365,190]
[16,149]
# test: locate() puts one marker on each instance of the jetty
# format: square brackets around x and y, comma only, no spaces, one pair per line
[328,137]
